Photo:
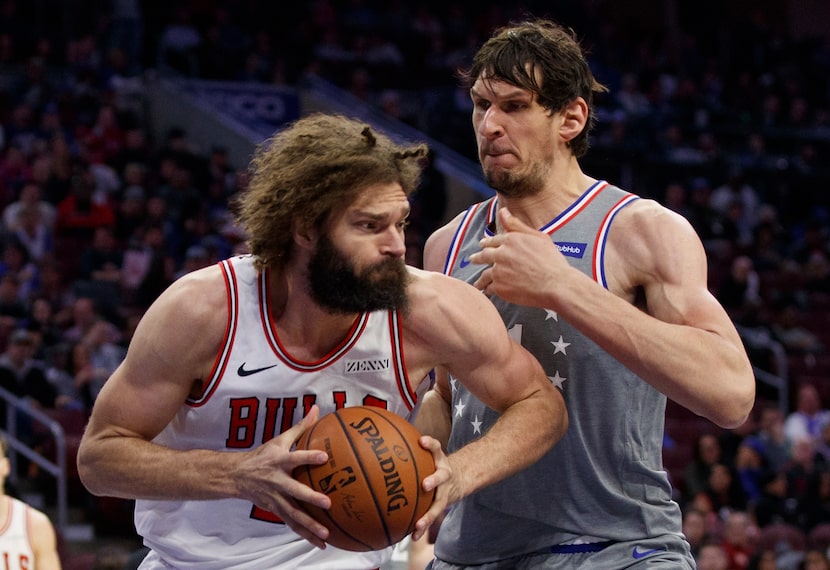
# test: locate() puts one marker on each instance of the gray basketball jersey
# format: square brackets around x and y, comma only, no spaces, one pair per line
[604,480]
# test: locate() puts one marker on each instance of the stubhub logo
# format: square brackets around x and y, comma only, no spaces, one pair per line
[571,249]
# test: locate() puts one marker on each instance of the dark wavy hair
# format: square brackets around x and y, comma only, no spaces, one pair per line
[544,58]
[308,170]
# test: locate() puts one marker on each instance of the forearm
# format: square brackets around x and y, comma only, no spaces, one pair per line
[706,371]
[434,418]
[132,468]
[524,432]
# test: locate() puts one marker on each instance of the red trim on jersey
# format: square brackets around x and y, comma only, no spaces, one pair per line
[272,336]
[576,207]
[597,267]
[410,396]
[458,238]
[221,362]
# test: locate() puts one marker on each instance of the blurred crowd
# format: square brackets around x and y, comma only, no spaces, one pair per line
[725,120]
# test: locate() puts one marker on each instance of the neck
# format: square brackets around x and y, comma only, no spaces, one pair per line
[305,329]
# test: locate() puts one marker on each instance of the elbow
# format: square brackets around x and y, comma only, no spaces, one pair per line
[87,470]
[737,403]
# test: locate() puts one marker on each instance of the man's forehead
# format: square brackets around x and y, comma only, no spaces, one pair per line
[380,198]
[494,87]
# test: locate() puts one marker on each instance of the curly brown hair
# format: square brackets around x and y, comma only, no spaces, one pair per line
[518,53]
[304,172]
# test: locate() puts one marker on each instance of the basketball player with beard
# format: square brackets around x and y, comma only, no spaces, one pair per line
[232,363]
[609,292]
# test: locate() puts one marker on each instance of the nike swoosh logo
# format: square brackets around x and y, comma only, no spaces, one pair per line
[464,262]
[637,553]
[242,371]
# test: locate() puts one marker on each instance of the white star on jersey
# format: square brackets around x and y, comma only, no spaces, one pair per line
[459,409]
[560,346]
[476,426]
[549,314]
[557,380]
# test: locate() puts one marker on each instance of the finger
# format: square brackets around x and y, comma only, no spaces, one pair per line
[296,431]
[484,280]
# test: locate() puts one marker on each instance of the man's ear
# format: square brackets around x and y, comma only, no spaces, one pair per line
[574,118]
[305,236]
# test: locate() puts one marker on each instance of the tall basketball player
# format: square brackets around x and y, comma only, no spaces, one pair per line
[609,292]
[234,362]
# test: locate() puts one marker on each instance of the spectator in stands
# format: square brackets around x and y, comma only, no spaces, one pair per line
[16,261]
[30,196]
[130,214]
[84,315]
[58,363]
[803,477]
[100,270]
[740,292]
[104,357]
[774,506]
[739,533]
[707,452]
[750,467]
[786,328]
[815,559]
[765,559]
[24,376]
[712,556]
[13,310]
[33,234]
[777,446]
[78,215]
[724,490]
[41,322]
[736,190]
[809,417]
[694,529]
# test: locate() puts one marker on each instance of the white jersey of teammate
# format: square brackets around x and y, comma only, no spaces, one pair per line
[256,391]
[16,551]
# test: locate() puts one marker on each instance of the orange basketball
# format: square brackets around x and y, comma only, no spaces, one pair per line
[373,477]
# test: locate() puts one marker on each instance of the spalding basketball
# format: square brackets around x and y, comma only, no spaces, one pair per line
[373,477]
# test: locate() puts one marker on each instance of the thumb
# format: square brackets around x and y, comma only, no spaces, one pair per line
[511,223]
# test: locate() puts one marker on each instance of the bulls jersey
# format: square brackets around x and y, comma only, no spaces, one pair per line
[604,480]
[256,391]
[16,551]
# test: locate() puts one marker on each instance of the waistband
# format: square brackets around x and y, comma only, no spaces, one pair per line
[581,548]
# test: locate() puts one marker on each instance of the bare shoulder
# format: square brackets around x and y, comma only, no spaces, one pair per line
[43,531]
[650,221]
[650,244]
[188,318]
[436,299]
[438,244]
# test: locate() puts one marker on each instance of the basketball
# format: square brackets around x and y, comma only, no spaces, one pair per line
[373,477]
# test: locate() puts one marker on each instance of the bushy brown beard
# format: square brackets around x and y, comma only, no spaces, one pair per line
[335,284]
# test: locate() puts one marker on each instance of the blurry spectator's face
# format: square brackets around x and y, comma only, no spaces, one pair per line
[712,557]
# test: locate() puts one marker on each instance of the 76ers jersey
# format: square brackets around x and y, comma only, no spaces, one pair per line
[15,544]
[256,391]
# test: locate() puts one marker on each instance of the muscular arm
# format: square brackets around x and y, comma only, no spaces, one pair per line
[680,340]
[472,343]
[177,342]
[434,414]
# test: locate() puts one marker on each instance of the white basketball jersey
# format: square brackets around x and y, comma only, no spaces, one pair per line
[256,391]
[16,551]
